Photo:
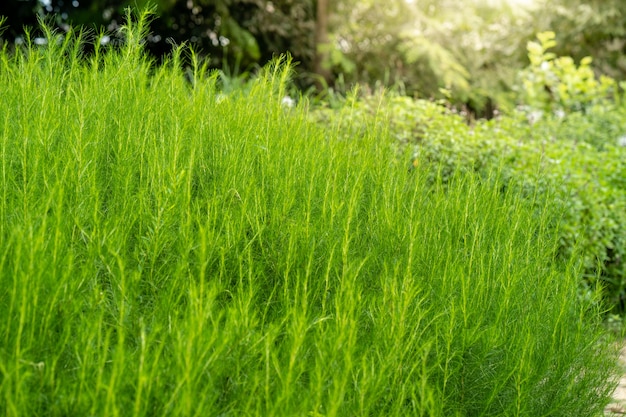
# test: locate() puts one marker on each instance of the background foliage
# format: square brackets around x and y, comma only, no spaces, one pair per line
[427,48]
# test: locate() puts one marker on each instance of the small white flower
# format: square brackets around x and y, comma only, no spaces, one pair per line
[288,102]
[621,141]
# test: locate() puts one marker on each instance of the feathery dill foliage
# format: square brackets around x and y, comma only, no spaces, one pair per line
[168,250]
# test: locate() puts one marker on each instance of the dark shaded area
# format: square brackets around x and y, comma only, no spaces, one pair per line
[19,13]
[237,35]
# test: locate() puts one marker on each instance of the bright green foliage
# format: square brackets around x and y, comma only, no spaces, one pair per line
[555,84]
[168,249]
[595,28]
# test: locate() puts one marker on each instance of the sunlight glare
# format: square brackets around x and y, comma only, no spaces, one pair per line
[526,4]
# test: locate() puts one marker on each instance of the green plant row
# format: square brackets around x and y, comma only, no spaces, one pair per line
[170,250]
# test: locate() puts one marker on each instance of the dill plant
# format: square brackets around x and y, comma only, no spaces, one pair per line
[168,250]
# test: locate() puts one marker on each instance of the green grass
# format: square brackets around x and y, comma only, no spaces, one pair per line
[169,250]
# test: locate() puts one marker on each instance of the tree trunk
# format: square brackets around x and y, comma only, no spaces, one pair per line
[321,43]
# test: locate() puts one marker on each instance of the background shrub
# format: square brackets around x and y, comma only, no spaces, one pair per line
[573,161]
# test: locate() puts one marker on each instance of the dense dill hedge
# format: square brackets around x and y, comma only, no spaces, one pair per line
[167,249]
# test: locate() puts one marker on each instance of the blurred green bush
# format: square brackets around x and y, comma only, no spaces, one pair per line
[556,85]
[575,160]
